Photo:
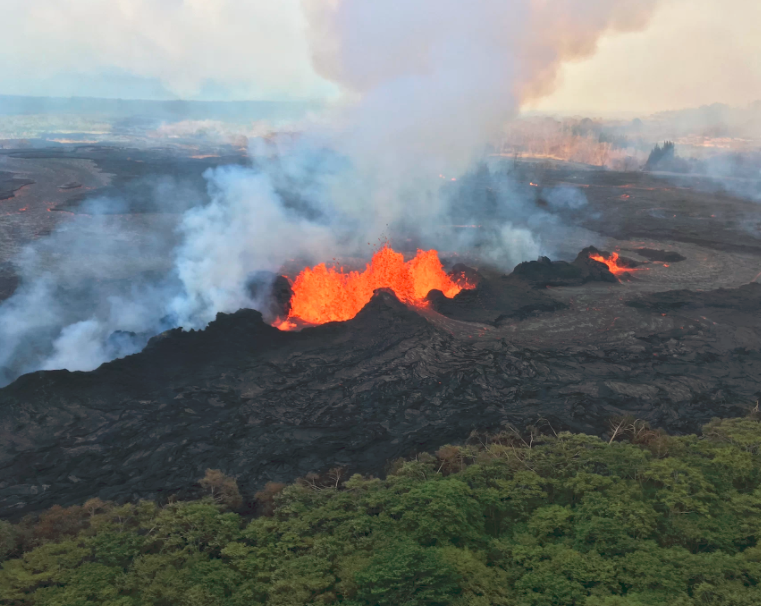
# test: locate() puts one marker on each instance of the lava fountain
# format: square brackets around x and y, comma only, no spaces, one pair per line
[613,262]
[324,294]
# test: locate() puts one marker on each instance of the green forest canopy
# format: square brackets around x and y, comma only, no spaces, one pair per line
[561,520]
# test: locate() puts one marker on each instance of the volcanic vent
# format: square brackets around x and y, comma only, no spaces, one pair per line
[322,294]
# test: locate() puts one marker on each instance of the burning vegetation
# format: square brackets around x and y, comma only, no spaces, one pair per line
[325,294]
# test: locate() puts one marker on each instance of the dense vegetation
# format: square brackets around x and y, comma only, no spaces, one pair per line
[646,519]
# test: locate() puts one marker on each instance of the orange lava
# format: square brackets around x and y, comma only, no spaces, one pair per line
[612,263]
[323,294]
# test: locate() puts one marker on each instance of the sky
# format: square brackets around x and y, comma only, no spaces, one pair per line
[157,49]
[693,52]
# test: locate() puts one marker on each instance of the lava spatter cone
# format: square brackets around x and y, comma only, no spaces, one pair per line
[605,266]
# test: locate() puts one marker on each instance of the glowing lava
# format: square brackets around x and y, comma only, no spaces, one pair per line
[612,263]
[323,294]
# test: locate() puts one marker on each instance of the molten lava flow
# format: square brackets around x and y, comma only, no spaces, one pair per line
[322,294]
[612,263]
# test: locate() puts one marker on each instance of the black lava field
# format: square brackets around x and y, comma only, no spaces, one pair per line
[556,345]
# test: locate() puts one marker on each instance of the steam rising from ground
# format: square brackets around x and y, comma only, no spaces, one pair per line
[428,86]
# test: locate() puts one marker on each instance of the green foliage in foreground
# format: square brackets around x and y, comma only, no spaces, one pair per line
[566,520]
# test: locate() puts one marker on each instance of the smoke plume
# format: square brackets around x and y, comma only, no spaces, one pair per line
[427,87]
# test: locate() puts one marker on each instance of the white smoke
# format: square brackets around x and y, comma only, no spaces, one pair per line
[80,347]
[428,85]
[246,228]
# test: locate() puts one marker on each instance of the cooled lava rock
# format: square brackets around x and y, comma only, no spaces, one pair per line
[518,295]
[461,274]
[665,256]
[594,270]
[265,405]
[544,272]
[10,184]
[745,299]
[493,301]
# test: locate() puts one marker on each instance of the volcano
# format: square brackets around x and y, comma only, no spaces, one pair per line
[561,344]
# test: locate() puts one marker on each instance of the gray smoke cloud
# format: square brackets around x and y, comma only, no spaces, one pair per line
[427,88]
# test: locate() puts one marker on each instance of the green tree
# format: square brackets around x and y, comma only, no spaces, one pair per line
[406,574]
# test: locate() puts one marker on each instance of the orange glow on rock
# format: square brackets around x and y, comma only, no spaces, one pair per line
[324,294]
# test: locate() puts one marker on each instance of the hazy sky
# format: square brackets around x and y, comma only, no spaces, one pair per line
[693,52]
[213,49]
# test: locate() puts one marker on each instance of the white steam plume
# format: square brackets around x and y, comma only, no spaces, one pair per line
[427,85]
[430,83]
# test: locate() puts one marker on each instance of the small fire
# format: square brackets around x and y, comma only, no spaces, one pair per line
[534,184]
[323,294]
[612,263]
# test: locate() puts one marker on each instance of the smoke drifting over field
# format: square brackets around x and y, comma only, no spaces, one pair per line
[437,80]
[428,85]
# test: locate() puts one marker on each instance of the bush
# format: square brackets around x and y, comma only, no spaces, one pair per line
[222,488]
